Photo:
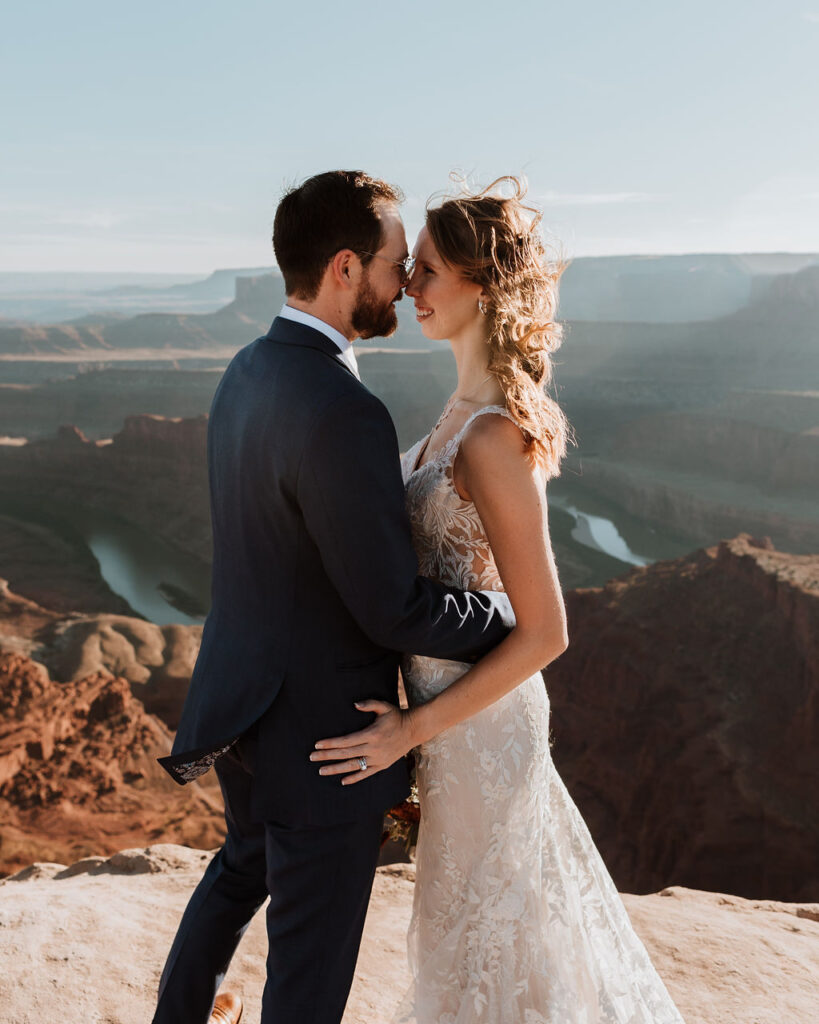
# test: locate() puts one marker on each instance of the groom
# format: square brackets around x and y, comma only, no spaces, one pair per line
[314,593]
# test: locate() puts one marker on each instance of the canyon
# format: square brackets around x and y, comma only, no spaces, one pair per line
[705,427]
[685,714]
[686,707]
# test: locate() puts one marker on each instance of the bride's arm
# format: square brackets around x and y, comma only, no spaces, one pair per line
[493,470]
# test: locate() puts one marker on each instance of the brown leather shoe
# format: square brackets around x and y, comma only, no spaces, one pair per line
[226,1010]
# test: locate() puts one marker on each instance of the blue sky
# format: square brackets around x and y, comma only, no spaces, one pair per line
[157,137]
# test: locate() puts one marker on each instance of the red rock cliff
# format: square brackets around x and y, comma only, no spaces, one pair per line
[78,771]
[686,721]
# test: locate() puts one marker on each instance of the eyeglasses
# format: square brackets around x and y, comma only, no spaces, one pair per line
[407,264]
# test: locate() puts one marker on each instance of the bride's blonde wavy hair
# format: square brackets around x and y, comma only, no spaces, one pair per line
[494,239]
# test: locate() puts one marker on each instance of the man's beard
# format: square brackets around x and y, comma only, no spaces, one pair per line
[373,318]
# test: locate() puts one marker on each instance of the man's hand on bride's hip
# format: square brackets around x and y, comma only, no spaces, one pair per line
[358,755]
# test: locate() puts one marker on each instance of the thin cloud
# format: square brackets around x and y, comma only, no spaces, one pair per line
[597,198]
[104,219]
[780,197]
[38,216]
[811,16]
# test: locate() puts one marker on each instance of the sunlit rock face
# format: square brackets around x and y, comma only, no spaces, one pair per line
[686,721]
[156,661]
[78,771]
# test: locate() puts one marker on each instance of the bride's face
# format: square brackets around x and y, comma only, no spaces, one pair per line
[446,304]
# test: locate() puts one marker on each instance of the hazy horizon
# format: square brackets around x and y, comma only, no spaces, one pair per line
[195,275]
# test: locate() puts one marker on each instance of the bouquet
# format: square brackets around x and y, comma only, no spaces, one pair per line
[401,822]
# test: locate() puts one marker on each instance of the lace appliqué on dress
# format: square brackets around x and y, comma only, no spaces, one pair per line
[190,770]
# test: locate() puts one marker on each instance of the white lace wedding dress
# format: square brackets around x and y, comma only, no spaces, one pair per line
[515,918]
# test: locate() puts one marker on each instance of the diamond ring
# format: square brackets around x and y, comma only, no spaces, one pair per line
[362,763]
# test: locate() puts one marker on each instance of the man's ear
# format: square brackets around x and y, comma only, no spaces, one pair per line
[345,268]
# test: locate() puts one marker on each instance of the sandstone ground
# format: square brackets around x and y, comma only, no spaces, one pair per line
[85,945]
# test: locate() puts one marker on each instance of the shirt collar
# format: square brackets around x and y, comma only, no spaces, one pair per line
[338,339]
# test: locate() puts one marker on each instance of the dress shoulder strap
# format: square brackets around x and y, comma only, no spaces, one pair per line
[447,452]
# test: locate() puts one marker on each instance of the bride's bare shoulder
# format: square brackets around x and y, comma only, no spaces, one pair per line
[491,436]
[492,458]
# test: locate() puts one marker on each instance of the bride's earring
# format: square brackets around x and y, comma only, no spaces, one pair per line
[482,306]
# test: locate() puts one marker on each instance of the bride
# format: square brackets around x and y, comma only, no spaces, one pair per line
[515,918]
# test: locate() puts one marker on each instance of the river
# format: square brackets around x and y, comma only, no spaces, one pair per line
[156,579]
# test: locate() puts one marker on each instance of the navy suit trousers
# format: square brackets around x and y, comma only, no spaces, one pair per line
[319,881]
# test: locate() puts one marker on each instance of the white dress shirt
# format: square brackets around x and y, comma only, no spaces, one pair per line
[344,345]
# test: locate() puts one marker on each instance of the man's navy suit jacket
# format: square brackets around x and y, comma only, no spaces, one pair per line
[315,585]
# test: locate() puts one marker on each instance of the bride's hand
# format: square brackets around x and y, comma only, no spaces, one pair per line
[381,744]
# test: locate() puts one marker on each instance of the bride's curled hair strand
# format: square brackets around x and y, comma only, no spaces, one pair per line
[494,239]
